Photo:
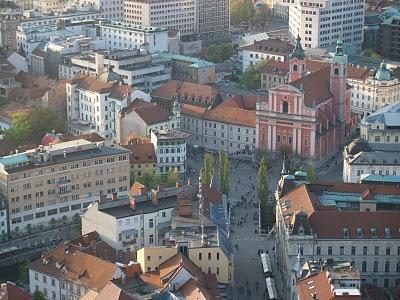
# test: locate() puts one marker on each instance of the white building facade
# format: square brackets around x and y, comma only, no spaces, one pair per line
[375,91]
[93,102]
[170,149]
[321,23]
[132,224]
[122,35]
[176,14]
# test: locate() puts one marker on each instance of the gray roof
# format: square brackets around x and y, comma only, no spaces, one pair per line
[388,115]
[143,207]
[376,158]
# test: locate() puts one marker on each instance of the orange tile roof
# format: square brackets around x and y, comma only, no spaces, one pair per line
[193,110]
[92,272]
[276,67]
[174,88]
[148,112]
[232,116]
[136,189]
[328,222]
[153,279]
[141,153]
[15,293]
[270,46]
[243,102]
[112,292]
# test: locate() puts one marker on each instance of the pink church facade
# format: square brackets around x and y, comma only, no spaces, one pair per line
[309,115]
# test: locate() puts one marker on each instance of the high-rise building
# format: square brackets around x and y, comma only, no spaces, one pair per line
[176,14]
[322,23]
[212,18]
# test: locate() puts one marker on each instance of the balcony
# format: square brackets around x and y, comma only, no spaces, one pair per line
[63,182]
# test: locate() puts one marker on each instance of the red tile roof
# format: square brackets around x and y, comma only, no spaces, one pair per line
[141,153]
[276,67]
[91,272]
[270,46]
[242,102]
[112,292]
[148,112]
[174,88]
[320,285]
[15,293]
[328,222]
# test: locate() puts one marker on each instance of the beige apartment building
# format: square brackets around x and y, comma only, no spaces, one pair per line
[56,182]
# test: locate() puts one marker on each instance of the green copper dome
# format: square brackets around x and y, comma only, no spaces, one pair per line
[298,51]
[110,76]
[339,56]
[383,74]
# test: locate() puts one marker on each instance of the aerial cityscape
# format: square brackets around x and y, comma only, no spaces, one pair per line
[199,150]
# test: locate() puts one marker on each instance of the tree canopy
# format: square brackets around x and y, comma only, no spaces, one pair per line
[219,52]
[251,78]
[150,178]
[172,177]
[30,128]
[224,170]
[241,11]
[206,171]
[38,295]
[370,53]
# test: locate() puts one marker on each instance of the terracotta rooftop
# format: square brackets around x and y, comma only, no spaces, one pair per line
[91,137]
[242,102]
[195,290]
[112,292]
[270,46]
[93,84]
[328,222]
[14,293]
[141,153]
[148,112]
[319,284]
[92,272]
[232,116]
[174,88]
[276,67]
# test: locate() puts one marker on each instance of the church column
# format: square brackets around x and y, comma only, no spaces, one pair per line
[274,137]
[312,142]
[269,138]
[294,142]
[299,146]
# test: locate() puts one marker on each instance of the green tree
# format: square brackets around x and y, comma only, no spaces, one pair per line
[44,120]
[370,53]
[219,52]
[206,171]
[224,170]
[311,173]
[150,178]
[172,177]
[251,78]
[20,129]
[262,15]
[38,295]
[24,272]
[262,182]
[241,11]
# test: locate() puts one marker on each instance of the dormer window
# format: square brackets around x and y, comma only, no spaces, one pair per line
[373,233]
[359,233]
[346,233]
[301,230]
[388,233]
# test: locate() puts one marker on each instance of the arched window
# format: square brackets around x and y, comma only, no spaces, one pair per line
[285,107]
[336,71]
[294,68]
[387,266]
[364,266]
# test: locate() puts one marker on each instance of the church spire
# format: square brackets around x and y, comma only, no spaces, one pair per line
[298,51]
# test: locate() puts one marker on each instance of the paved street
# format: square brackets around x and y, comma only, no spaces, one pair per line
[247,262]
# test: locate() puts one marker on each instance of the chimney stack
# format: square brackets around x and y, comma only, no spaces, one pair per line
[114,196]
[132,203]
[189,181]
[160,187]
[154,198]
[123,280]
[103,199]
[143,191]
[178,184]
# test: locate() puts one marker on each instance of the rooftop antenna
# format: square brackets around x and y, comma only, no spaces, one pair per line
[284,171]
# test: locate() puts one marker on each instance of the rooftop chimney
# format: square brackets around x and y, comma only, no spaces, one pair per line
[103,199]
[178,184]
[154,197]
[65,154]
[189,181]
[160,187]
[132,203]
[114,196]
